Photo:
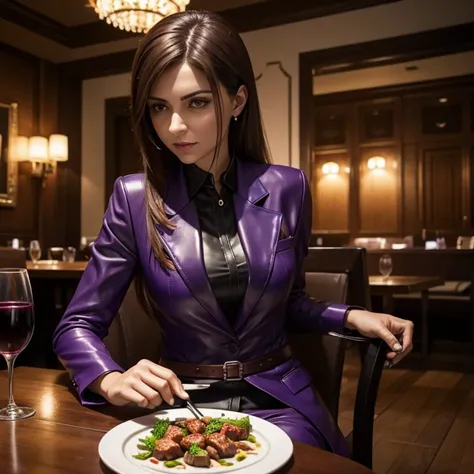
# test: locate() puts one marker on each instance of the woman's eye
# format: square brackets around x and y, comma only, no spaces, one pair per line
[158,107]
[198,103]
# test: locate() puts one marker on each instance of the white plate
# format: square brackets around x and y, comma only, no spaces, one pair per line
[117,447]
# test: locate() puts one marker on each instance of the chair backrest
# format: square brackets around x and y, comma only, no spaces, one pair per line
[12,258]
[323,355]
[337,275]
[133,335]
[349,260]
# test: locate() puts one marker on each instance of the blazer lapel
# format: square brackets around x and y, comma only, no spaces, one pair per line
[183,244]
[258,231]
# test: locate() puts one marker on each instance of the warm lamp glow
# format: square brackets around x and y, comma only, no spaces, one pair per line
[58,147]
[136,15]
[330,168]
[38,149]
[376,162]
[19,150]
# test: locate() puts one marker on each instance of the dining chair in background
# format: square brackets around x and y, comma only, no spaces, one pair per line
[12,258]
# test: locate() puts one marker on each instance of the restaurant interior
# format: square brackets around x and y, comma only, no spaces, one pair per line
[374,101]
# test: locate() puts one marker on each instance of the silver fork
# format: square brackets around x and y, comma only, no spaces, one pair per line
[193,409]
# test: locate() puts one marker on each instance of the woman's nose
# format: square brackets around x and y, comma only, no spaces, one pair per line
[177,125]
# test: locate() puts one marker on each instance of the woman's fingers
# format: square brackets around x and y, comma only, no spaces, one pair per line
[171,379]
[404,330]
[132,395]
[150,395]
[385,334]
[159,385]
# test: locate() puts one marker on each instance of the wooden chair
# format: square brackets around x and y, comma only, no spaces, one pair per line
[12,258]
[134,336]
[340,275]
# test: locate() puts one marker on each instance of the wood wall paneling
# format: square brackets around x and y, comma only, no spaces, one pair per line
[48,102]
[379,192]
[18,83]
[424,133]
[69,174]
[442,191]
[121,154]
[412,203]
[331,194]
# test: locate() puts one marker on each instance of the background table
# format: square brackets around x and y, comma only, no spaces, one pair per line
[398,285]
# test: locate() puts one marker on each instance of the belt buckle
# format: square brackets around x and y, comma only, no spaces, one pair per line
[232,363]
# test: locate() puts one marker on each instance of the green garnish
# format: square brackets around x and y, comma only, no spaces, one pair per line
[160,428]
[252,438]
[216,424]
[223,462]
[143,456]
[195,450]
[148,443]
[240,457]
[172,463]
[185,431]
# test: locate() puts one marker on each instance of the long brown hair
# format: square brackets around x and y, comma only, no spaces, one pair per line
[205,41]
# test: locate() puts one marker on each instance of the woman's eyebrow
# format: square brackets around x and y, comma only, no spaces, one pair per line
[184,97]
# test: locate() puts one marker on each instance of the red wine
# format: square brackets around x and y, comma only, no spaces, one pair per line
[16,326]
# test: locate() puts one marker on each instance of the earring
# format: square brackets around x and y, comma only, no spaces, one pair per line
[235,118]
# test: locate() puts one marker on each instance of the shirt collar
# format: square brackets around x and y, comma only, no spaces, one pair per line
[196,178]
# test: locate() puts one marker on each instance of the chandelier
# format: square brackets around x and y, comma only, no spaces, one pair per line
[136,15]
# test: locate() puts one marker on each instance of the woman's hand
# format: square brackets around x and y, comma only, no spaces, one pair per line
[396,332]
[147,384]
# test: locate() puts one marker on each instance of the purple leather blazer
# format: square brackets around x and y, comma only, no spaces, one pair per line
[273,210]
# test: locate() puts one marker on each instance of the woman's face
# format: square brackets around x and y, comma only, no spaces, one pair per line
[182,112]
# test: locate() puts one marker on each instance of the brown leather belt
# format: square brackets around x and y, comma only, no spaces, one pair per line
[232,370]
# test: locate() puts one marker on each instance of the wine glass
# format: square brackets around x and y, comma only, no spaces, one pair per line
[385,266]
[35,251]
[17,322]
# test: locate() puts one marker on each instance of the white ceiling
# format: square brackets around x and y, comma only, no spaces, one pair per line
[77,12]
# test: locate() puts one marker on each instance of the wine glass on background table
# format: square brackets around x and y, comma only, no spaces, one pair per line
[17,322]
[35,251]
[385,266]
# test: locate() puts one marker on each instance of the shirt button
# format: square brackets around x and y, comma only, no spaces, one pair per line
[220,202]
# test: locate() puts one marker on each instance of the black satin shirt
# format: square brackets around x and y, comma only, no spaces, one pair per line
[224,257]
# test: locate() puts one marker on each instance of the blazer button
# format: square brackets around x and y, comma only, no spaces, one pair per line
[233,348]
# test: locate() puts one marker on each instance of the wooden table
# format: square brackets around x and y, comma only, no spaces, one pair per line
[56,270]
[396,285]
[63,436]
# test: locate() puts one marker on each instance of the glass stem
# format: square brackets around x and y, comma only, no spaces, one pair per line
[10,358]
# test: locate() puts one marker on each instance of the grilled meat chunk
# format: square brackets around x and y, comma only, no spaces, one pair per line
[223,445]
[234,432]
[174,433]
[195,426]
[213,454]
[166,450]
[194,438]
[199,460]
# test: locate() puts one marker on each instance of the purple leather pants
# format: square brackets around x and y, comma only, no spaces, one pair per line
[295,425]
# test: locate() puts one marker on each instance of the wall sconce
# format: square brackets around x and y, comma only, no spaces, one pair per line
[43,153]
[330,168]
[376,162]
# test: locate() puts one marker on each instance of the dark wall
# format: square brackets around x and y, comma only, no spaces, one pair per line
[48,102]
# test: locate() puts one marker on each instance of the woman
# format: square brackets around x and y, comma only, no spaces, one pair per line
[217,236]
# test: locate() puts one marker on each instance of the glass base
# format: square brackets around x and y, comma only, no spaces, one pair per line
[17,413]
